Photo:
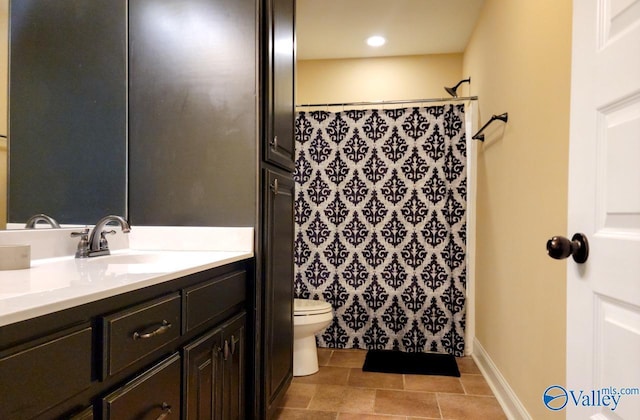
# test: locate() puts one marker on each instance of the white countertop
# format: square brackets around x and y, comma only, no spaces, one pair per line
[145,257]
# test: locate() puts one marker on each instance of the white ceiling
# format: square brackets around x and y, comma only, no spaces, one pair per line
[339,28]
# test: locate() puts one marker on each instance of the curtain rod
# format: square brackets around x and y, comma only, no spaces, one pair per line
[407,101]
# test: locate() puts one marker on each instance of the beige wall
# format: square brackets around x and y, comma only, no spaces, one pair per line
[519,62]
[376,79]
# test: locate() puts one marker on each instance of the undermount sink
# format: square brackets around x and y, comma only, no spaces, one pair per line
[130,259]
[134,261]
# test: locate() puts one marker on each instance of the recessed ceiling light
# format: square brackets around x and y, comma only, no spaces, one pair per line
[376,41]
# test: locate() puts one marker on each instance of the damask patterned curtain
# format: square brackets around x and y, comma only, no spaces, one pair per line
[381,223]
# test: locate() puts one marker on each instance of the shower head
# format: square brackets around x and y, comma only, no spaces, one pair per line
[452,90]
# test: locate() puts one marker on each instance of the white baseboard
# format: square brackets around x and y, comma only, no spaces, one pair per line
[511,405]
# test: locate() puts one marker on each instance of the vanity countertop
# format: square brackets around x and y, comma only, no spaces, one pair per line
[145,257]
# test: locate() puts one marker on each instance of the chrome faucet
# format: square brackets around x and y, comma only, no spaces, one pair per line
[31,223]
[98,244]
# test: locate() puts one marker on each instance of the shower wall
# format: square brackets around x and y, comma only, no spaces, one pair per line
[381,225]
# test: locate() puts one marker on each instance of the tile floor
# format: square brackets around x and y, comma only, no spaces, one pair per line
[342,391]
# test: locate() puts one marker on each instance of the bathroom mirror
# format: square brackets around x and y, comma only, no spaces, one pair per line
[67,109]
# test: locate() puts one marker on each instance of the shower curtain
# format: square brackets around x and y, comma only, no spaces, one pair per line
[380,213]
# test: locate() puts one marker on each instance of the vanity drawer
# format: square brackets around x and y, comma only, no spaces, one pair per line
[39,377]
[206,301]
[154,394]
[132,334]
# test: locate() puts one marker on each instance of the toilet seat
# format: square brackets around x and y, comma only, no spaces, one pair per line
[303,307]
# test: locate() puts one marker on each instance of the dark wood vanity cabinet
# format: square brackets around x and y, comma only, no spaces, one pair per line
[173,350]
[277,204]
[202,79]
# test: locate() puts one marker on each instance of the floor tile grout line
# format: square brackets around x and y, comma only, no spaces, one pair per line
[464,388]
[439,408]
[315,391]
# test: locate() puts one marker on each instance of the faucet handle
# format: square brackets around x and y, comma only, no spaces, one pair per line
[103,240]
[83,232]
[83,246]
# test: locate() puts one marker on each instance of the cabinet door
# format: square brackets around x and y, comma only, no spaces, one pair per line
[214,369]
[202,377]
[279,149]
[278,284]
[234,369]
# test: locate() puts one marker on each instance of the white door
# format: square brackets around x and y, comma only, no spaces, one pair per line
[603,295]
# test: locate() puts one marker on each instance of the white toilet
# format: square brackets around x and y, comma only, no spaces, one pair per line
[309,317]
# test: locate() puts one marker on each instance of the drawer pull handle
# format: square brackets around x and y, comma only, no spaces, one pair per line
[274,187]
[160,330]
[233,345]
[166,408]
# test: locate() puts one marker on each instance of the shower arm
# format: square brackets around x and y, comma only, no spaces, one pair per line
[453,91]
[502,117]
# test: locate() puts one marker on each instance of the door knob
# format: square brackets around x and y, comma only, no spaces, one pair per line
[560,248]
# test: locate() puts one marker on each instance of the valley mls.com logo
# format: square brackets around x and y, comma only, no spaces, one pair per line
[556,397]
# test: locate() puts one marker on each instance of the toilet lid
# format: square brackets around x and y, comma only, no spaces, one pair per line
[310,307]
